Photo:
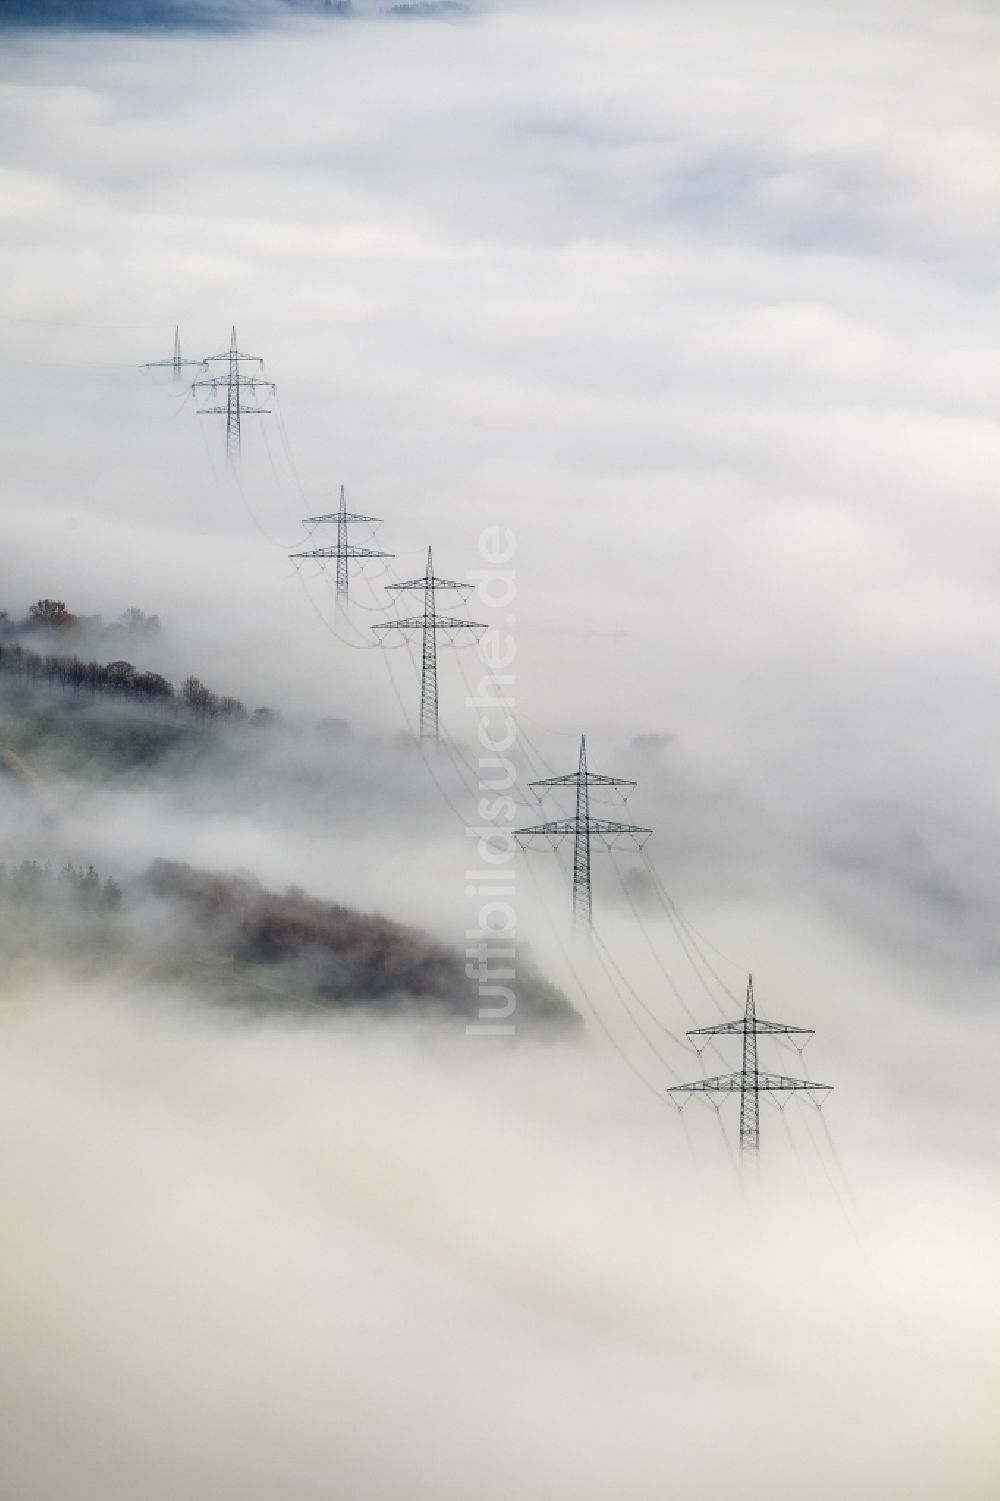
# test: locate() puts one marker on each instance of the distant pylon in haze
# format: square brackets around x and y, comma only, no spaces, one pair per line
[344,551]
[175,363]
[429,624]
[233,383]
[749,1082]
[584,830]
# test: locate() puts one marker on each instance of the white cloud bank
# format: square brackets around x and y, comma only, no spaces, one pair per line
[700,300]
[249,1261]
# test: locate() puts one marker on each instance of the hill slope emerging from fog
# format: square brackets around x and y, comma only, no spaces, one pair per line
[225,939]
[301,951]
[72,731]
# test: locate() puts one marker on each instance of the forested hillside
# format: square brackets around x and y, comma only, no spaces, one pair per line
[78,717]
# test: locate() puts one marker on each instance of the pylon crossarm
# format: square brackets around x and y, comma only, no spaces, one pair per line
[224,411]
[565,826]
[608,829]
[336,516]
[222,383]
[572,778]
[721,1084]
[438,622]
[459,584]
[780,1081]
[595,825]
[734,1083]
[452,623]
[421,583]
[232,354]
[546,830]
[722,1029]
[342,552]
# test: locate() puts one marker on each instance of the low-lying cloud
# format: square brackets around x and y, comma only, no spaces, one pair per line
[247,1260]
[696,301]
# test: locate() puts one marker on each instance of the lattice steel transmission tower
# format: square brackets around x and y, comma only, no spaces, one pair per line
[233,383]
[175,363]
[749,1082]
[584,830]
[344,551]
[429,624]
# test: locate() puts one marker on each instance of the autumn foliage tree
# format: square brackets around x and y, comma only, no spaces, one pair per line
[51,615]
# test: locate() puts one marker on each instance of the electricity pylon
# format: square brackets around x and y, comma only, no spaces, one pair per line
[429,624]
[584,830]
[749,1081]
[175,363]
[234,383]
[344,550]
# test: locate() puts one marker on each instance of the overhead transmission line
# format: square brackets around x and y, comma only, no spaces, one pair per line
[286,442]
[612,969]
[585,995]
[609,963]
[585,832]
[232,386]
[637,915]
[325,623]
[750,1081]
[175,363]
[523,799]
[343,552]
[429,625]
[687,939]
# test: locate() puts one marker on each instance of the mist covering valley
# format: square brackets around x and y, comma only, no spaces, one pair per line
[698,306]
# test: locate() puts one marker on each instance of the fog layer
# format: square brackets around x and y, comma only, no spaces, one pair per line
[252,1261]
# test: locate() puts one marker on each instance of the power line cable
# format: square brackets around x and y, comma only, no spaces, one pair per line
[585,996]
[606,958]
[682,941]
